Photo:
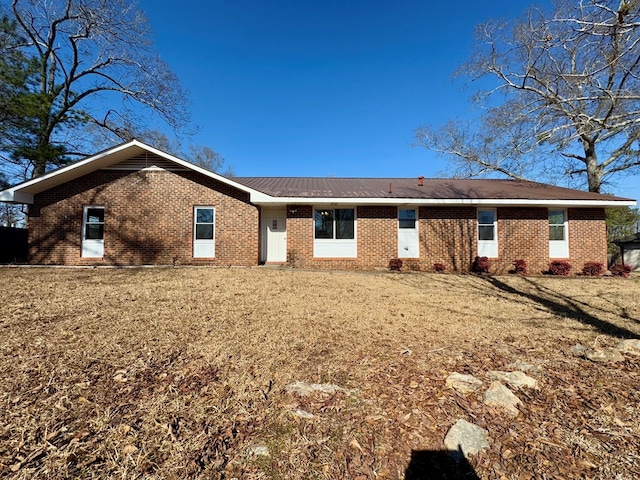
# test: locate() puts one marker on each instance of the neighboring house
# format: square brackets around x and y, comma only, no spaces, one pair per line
[133,204]
[630,251]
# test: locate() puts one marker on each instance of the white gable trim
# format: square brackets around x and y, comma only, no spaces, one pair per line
[24,192]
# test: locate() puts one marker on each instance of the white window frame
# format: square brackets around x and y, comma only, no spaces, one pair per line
[559,248]
[204,248]
[408,244]
[92,247]
[487,248]
[336,247]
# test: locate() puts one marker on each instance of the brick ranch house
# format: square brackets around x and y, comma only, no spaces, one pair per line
[133,204]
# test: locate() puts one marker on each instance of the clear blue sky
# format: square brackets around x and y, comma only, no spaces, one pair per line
[326,87]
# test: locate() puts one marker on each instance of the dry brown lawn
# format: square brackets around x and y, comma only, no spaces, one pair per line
[177,373]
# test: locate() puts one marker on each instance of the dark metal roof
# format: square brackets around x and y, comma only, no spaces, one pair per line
[432,188]
[629,240]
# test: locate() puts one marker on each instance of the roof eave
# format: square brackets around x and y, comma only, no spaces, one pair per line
[264,199]
[12,196]
[24,192]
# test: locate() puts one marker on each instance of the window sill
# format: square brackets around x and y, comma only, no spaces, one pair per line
[335,259]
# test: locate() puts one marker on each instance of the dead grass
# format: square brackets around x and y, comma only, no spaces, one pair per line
[176,373]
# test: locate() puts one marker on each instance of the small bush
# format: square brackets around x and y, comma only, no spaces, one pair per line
[592,269]
[520,267]
[621,270]
[480,265]
[439,267]
[559,267]
[395,264]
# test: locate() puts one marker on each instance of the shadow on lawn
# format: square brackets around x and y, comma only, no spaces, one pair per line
[439,465]
[563,305]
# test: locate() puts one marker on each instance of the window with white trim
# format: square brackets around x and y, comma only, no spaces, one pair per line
[558,238]
[204,232]
[408,244]
[487,233]
[407,218]
[93,232]
[334,233]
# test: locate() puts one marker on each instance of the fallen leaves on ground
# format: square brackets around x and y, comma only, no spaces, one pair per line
[179,373]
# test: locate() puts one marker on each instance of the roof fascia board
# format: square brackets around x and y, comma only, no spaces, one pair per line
[12,196]
[203,171]
[440,201]
[76,165]
[16,194]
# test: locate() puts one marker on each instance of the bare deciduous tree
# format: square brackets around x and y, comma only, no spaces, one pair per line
[96,65]
[563,100]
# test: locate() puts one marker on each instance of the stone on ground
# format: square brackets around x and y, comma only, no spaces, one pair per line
[525,367]
[604,355]
[305,389]
[629,346]
[302,414]
[500,396]
[466,437]
[516,379]
[463,383]
[579,350]
[600,355]
[259,451]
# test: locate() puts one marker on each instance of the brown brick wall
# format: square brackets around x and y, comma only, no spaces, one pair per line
[523,233]
[377,236]
[148,219]
[299,235]
[587,237]
[449,235]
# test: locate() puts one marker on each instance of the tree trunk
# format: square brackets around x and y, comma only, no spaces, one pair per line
[39,169]
[594,171]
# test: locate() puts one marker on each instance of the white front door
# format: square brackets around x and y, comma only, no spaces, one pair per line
[408,244]
[275,236]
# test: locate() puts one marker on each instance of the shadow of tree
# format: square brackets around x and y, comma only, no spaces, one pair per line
[439,465]
[562,305]
[126,241]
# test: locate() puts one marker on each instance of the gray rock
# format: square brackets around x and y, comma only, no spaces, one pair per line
[516,379]
[629,346]
[525,367]
[302,413]
[463,383]
[500,396]
[259,451]
[604,355]
[600,355]
[305,389]
[466,437]
[578,350]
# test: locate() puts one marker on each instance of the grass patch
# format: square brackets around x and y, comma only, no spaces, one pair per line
[176,373]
